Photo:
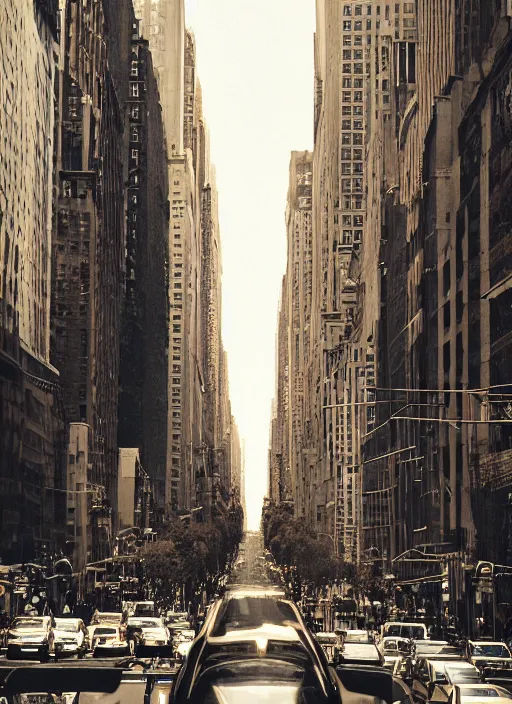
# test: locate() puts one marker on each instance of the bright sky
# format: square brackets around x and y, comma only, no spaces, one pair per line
[255,60]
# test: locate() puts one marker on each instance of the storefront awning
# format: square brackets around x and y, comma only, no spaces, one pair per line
[424,580]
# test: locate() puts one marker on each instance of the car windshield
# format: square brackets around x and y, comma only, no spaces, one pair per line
[356,637]
[27,623]
[492,651]
[253,612]
[252,682]
[479,692]
[63,625]
[145,623]
[406,631]
[460,675]
[105,632]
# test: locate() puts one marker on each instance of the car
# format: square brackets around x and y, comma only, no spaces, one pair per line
[361,654]
[30,636]
[331,644]
[394,649]
[155,636]
[144,608]
[415,631]
[356,636]
[101,617]
[265,663]
[109,640]
[182,643]
[431,677]
[484,653]
[477,693]
[70,637]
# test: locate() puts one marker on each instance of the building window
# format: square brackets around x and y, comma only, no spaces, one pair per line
[134,90]
[346,125]
[135,155]
[134,134]
[347,82]
[346,110]
[347,54]
[347,68]
[346,169]
[347,10]
[358,40]
[347,26]
[134,112]
[135,69]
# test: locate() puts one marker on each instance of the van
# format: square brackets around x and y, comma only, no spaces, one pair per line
[144,608]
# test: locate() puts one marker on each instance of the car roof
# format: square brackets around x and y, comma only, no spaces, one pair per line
[266,632]
[487,642]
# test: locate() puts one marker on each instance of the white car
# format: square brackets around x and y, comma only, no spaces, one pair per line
[482,653]
[155,635]
[108,640]
[30,636]
[70,637]
[478,694]
[182,642]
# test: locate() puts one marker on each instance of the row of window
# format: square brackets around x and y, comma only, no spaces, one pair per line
[353,68]
[352,97]
[352,110]
[348,125]
[349,168]
[357,10]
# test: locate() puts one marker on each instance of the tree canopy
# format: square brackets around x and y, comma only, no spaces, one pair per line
[192,554]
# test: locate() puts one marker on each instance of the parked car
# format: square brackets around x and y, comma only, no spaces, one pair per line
[109,640]
[70,637]
[483,653]
[30,636]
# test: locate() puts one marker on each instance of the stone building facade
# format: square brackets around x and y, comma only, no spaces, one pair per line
[199,416]
[89,235]
[32,445]
[143,397]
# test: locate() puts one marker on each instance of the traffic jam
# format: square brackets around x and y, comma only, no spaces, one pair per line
[253,646]
[138,631]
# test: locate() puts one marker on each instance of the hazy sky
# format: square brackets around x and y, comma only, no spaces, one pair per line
[255,62]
